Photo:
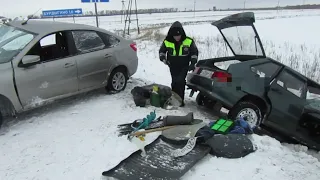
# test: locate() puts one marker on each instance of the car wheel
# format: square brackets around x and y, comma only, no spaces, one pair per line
[248,111]
[199,99]
[117,80]
[202,100]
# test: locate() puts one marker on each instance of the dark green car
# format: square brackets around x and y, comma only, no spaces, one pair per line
[262,90]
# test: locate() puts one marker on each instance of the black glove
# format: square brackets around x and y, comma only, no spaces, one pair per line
[192,67]
[164,60]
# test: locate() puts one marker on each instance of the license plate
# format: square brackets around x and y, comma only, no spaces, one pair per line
[206,73]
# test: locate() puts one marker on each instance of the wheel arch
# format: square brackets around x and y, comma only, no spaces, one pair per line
[6,106]
[122,68]
[264,105]
[125,68]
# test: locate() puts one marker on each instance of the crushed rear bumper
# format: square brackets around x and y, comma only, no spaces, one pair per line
[207,87]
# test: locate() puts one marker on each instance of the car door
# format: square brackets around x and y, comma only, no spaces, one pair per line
[94,58]
[240,34]
[287,96]
[55,75]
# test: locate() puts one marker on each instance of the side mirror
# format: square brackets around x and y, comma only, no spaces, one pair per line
[30,60]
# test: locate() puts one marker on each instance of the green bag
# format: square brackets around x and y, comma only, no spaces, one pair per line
[222,126]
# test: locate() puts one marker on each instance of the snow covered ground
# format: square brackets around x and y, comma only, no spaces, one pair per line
[77,138]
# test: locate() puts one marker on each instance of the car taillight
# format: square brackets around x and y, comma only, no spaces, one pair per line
[133,46]
[221,76]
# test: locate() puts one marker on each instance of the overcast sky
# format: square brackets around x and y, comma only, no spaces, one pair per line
[15,8]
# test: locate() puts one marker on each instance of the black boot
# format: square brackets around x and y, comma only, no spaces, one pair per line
[182,104]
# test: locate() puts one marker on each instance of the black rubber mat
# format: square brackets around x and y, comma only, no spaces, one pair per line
[158,164]
[231,145]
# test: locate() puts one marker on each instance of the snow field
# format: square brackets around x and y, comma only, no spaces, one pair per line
[163,19]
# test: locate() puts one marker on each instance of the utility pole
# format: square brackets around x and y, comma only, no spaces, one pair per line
[96,10]
[194,8]
[303,2]
[123,10]
[244,5]
[278,6]
[128,17]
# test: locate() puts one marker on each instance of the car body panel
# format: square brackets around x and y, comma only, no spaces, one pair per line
[126,56]
[286,103]
[290,108]
[46,80]
[7,88]
[230,93]
[93,68]
[70,81]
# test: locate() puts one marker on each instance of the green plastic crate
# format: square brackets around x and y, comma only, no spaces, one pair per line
[222,126]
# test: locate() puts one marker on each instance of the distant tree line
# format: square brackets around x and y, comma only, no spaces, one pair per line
[171,10]
[306,6]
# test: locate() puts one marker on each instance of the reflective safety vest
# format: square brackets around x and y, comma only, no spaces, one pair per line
[185,44]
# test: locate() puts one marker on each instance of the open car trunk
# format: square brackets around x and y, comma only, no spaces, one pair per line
[243,40]
[241,35]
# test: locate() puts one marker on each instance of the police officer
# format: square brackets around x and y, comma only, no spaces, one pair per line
[180,53]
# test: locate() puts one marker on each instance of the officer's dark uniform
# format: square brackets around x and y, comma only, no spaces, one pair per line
[181,57]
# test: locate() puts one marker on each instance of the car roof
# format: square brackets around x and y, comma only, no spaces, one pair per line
[47,27]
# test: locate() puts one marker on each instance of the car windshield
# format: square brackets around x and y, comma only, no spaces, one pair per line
[12,41]
[243,40]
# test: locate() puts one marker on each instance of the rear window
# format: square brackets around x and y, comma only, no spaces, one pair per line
[265,69]
[313,93]
[243,40]
[225,65]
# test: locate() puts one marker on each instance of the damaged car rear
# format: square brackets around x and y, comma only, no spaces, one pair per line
[261,90]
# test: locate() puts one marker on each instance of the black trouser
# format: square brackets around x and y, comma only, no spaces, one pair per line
[178,82]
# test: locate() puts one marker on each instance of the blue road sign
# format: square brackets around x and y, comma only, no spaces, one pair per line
[93,1]
[62,12]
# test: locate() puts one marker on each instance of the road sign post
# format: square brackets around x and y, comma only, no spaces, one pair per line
[95,7]
[61,12]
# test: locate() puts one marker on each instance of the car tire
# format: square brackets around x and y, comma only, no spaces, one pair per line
[202,100]
[199,99]
[249,111]
[117,80]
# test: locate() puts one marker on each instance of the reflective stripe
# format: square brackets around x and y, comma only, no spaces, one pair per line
[194,56]
[170,45]
[186,43]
